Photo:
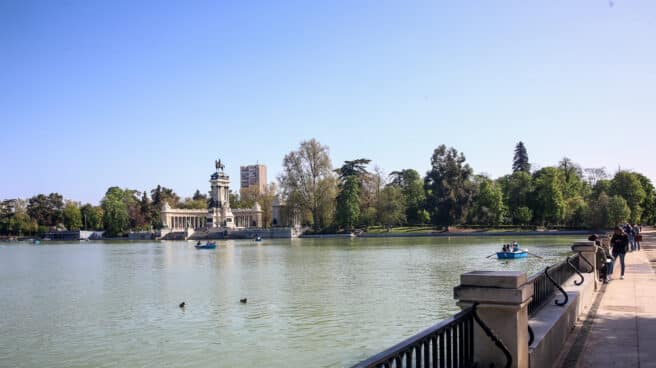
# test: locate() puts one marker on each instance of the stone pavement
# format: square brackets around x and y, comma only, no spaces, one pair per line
[620,330]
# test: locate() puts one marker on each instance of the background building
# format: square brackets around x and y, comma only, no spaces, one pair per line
[253,175]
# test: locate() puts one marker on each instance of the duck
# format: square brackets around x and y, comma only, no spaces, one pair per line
[182,305]
[243,301]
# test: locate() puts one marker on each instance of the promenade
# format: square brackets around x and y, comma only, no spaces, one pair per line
[620,330]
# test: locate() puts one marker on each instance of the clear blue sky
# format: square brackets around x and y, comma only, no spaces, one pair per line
[137,93]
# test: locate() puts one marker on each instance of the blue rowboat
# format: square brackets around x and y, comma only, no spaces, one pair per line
[206,246]
[511,255]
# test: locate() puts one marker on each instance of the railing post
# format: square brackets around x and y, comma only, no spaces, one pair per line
[586,250]
[503,298]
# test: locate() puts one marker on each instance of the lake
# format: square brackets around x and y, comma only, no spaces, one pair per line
[311,302]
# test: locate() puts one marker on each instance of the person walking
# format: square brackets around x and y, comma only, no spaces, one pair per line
[628,230]
[638,236]
[620,243]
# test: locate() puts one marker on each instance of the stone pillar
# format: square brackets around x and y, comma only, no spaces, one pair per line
[503,298]
[586,250]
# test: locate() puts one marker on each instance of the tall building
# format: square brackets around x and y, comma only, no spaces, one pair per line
[253,175]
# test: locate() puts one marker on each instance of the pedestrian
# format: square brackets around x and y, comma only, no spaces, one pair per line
[620,243]
[628,230]
[638,236]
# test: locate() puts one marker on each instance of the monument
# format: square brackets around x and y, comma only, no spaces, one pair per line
[218,215]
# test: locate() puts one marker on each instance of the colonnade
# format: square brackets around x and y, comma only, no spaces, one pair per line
[246,221]
[183,222]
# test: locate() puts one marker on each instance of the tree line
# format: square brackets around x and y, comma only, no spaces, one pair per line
[450,193]
[357,195]
[121,210]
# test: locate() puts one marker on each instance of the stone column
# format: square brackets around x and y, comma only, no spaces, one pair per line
[586,250]
[503,298]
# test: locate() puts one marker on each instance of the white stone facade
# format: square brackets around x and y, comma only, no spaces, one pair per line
[218,215]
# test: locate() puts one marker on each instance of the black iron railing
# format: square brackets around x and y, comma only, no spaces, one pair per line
[546,282]
[449,343]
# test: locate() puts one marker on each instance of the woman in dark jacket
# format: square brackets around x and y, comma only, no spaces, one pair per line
[620,243]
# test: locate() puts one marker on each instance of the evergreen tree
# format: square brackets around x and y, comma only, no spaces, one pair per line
[520,161]
[348,203]
[449,189]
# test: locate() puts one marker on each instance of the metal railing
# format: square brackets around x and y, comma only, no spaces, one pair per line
[546,282]
[449,343]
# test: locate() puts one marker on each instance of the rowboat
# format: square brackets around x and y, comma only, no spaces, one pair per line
[206,246]
[523,253]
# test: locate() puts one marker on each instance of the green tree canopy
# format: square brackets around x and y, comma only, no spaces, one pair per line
[448,186]
[488,207]
[618,210]
[46,210]
[627,185]
[548,201]
[598,212]
[72,216]
[116,219]
[348,202]
[517,191]
[412,188]
[159,196]
[92,217]
[356,168]
[391,209]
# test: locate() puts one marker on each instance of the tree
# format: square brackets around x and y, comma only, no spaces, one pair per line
[116,219]
[14,219]
[601,186]
[548,202]
[523,215]
[198,196]
[357,168]
[307,179]
[348,202]
[193,204]
[648,204]
[594,174]
[251,195]
[575,211]
[487,208]
[391,210]
[618,210]
[265,200]
[520,160]
[72,216]
[448,186]
[573,179]
[414,196]
[598,212]
[159,196]
[248,196]
[517,191]
[46,210]
[146,209]
[627,185]
[92,217]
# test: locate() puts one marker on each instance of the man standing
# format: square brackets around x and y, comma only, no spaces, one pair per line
[620,243]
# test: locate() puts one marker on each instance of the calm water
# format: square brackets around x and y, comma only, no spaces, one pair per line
[311,303]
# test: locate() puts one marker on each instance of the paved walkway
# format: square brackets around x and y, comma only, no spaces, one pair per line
[620,330]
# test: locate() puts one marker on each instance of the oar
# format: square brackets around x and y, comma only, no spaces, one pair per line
[535,255]
[493,254]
